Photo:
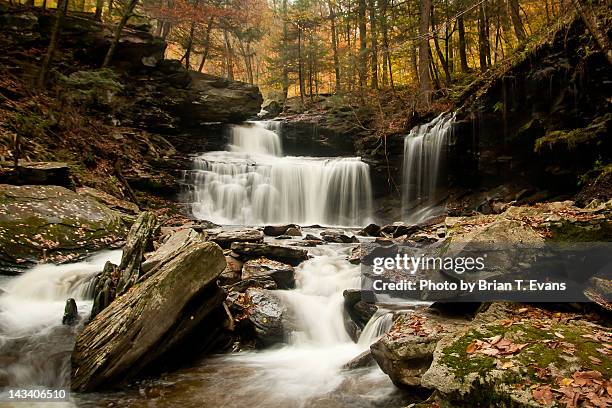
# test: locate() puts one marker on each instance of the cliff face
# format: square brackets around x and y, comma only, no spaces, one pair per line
[145,113]
[544,118]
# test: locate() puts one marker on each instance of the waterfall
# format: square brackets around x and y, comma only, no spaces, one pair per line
[423,169]
[378,325]
[252,183]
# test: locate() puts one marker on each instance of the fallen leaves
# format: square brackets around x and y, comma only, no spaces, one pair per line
[585,388]
[494,346]
[543,394]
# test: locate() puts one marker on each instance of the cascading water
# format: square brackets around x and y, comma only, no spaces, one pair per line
[252,183]
[35,347]
[424,156]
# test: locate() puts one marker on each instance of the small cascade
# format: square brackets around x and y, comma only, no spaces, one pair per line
[33,342]
[425,150]
[253,183]
[378,325]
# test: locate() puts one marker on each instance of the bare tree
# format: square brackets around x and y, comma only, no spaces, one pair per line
[118,30]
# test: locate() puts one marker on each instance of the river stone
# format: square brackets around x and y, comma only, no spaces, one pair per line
[372,230]
[52,223]
[279,272]
[152,319]
[225,238]
[139,241]
[71,313]
[291,256]
[405,352]
[364,359]
[278,230]
[338,237]
[266,313]
[232,272]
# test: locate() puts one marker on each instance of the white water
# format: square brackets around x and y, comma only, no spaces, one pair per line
[252,183]
[33,341]
[424,155]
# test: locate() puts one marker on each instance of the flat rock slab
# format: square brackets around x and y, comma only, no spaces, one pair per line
[54,224]
[150,320]
[291,256]
[225,238]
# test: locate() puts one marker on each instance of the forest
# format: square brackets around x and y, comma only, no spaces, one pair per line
[306,203]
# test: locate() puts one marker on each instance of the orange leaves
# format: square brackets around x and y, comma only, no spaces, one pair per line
[585,388]
[494,346]
[543,394]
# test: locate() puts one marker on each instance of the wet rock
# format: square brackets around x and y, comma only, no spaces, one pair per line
[139,241]
[356,254]
[405,352]
[52,223]
[291,256]
[279,272]
[225,238]
[266,313]
[293,232]
[364,359]
[372,230]
[359,308]
[232,272]
[398,229]
[242,285]
[338,237]
[150,321]
[314,238]
[174,245]
[71,313]
[105,288]
[277,230]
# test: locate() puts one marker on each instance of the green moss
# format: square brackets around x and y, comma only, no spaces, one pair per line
[582,231]
[571,139]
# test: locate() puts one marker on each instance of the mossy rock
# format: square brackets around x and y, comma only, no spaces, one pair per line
[552,351]
[54,224]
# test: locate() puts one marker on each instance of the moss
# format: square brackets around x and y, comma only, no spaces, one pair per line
[571,139]
[582,231]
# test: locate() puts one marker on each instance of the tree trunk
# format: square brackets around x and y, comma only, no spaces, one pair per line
[300,65]
[189,46]
[362,44]
[332,17]
[385,38]
[462,45]
[124,19]
[284,53]
[482,39]
[590,20]
[99,6]
[515,15]
[424,60]
[228,56]
[373,45]
[55,34]
[207,44]
[447,76]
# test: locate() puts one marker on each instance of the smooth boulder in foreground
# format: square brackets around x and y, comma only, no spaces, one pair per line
[150,320]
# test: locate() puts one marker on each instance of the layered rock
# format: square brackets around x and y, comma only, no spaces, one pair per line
[282,274]
[152,319]
[291,256]
[139,241]
[52,223]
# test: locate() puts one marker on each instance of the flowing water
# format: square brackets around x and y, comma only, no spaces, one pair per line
[253,183]
[425,150]
[34,346]
[305,371]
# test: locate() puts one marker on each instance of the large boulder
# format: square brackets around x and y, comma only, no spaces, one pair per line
[279,272]
[151,320]
[291,256]
[109,200]
[265,314]
[52,223]
[532,358]
[405,352]
[40,173]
